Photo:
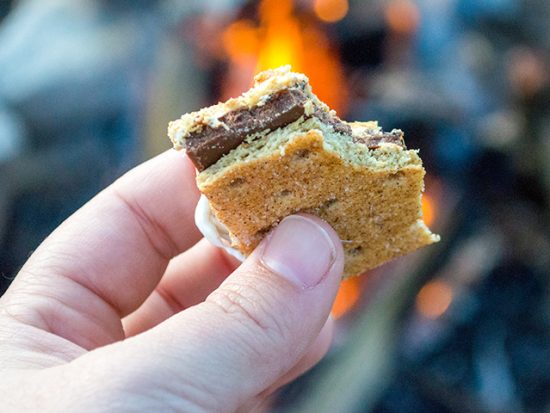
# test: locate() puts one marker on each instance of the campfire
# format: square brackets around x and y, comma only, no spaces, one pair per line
[284,34]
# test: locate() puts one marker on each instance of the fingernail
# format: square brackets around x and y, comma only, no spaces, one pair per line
[299,250]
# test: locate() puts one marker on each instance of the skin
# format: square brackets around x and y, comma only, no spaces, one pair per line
[125,308]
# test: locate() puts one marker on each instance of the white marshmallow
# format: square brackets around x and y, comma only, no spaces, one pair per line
[212,229]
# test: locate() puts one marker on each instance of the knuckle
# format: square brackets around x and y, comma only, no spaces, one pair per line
[255,309]
[156,234]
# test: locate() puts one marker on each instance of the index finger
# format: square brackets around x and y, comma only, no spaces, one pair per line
[104,261]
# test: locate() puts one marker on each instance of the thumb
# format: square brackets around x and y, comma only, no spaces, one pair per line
[253,329]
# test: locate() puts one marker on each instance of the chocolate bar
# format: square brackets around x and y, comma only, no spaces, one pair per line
[207,145]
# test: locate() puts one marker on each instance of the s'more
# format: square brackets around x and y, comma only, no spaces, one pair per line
[277,150]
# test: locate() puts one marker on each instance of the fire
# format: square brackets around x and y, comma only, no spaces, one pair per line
[432,200]
[281,40]
[428,209]
[281,37]
[434,299]
[239,40]
[348,294]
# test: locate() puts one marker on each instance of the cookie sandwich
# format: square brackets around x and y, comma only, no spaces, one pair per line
[277,150]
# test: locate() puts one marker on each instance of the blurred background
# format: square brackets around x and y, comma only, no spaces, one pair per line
[87,89]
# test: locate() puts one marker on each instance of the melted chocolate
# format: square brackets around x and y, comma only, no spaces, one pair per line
[373,138]
[210,144]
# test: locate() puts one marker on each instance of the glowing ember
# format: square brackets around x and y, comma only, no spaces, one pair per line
[348,294]
[434,299]
[331,11]
[402,16]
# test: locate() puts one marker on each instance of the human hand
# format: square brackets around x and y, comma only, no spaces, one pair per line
[125,308]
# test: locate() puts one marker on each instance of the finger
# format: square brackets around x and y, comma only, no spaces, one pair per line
[188,280]
[313,355]
[104,261]
[248,333]
[262,406]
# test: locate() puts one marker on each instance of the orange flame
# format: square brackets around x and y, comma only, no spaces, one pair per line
[282,38]
[428,209]
[239,39]
[348,294]
[434,299]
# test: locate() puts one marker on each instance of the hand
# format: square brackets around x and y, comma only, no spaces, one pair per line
[125,308]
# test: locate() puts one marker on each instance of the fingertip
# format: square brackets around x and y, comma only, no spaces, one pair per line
[303,249]
[337,269]
[181,156]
